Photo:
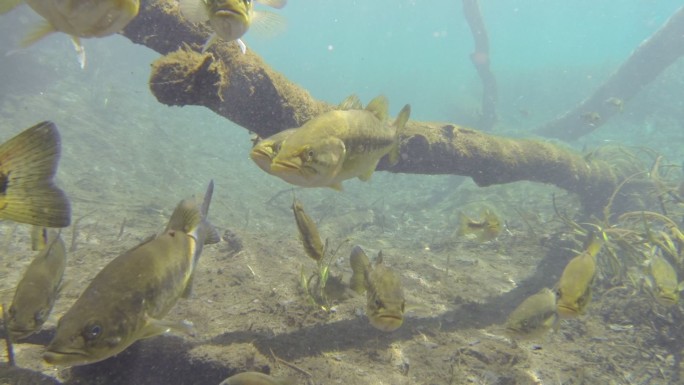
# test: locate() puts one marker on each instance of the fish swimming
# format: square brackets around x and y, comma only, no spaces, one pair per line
[308,232]
[39,287]
[385,302]
[339,145]
[78,18]
[128,299]
[28,163]
[264,150]
[484,230]
[665,285]
[574,287]
[534,316]
[230,19]
[255,378]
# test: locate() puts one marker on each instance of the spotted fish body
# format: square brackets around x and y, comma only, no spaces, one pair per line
[128,299]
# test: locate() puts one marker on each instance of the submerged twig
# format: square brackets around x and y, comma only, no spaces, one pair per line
[288,364]
[74,230]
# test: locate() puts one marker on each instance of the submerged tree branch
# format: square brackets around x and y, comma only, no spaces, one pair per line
[651,58]
[480,59]
[247,91]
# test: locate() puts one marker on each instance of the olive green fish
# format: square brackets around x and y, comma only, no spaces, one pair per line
[230,19]
[129,297]
[78,18]
[487,229]
[308,232]
[534,316]
[665,283]
[384,295]
[28,163]
[39,286]
[255,378]
[339,145]
[264,150]
[574,287]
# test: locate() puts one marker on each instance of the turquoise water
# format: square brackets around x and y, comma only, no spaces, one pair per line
[128,159]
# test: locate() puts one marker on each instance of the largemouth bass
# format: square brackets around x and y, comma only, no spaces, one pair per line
[265,150]
[308,232]
[39,286]
[664,283]
[384,295]
[78,18]
[534,316]
[339,145]
[28,163]
[574,287]
[129,298]
[230,19]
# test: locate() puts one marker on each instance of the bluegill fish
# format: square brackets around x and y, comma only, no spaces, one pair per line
[230,19]
[264,150]
[665,284]
[78,18]
[486,229]
[308,232]
[128,299]
[39,286]
[28,163]
[574,287]
[534,316]
[385,302]
[255,378]
[339,145]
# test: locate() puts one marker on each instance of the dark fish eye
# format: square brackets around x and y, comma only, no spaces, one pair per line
[12,311]
[379,303]
[40,316]
[92,331]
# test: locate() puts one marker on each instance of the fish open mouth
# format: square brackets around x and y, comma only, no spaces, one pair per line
[227,12]
[567,311]
[284,167]
[55,357]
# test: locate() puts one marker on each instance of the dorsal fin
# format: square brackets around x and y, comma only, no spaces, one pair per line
[378,107]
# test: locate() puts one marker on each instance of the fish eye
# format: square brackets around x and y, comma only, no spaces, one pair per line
[92,331]
[12,311]
[40,315]
[379,303]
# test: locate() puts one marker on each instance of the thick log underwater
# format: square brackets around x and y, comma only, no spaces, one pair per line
[244,89]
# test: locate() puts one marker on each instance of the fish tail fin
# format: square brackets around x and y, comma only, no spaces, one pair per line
[40,31]
[211,235]
[28,163]
[593,244]
[379,107]
[8,5]
[463,224]
[359,263]
[399,125]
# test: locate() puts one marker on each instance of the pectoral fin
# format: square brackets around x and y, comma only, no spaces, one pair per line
[366,175]
[155,327]
[40,31]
